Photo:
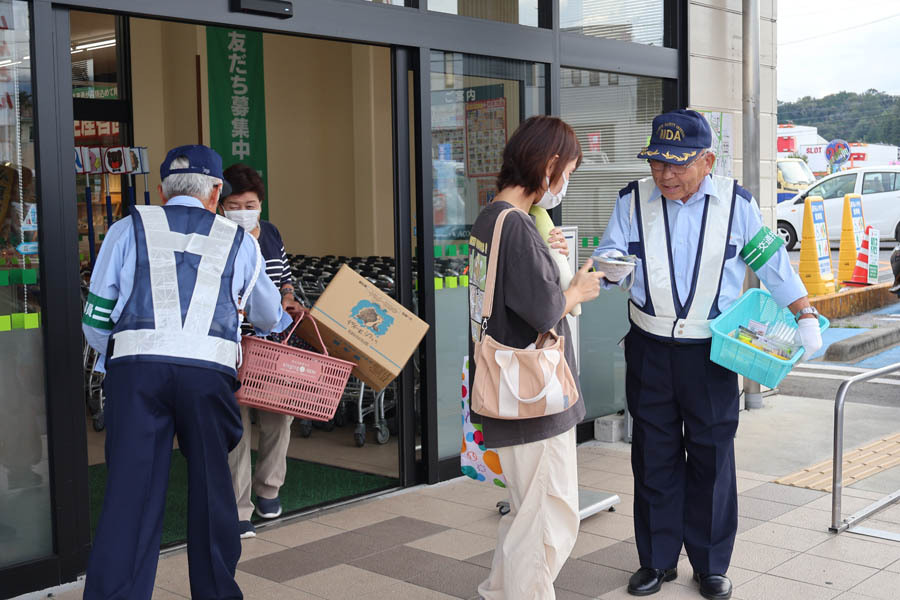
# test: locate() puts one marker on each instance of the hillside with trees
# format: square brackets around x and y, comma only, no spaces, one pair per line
[872,116]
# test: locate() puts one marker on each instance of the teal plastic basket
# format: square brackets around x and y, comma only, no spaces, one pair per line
[744,359]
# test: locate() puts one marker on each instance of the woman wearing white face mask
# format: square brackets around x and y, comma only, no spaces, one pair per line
[243,206]
[537,455]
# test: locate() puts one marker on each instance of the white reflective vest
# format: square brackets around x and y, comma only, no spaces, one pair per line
[184,337]
[661,316]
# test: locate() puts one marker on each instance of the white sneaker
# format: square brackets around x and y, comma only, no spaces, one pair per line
[247,530]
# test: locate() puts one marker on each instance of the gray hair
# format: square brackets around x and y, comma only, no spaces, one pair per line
[197,185]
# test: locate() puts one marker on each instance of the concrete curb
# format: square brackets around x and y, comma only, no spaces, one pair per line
[854,301]
[865,343]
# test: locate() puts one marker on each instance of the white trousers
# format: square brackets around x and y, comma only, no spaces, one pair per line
[271,460]
[537,535]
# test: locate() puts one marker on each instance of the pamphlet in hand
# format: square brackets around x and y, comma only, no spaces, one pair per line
[616,266]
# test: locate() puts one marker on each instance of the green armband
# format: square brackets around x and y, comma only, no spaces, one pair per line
[98,312]
[761,248]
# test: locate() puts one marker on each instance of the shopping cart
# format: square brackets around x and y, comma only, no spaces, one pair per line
[376,407]
[93,379]
[359,402]
[93,387]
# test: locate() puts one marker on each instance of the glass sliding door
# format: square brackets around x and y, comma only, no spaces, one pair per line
[612,115]
[476,105]
[26,524]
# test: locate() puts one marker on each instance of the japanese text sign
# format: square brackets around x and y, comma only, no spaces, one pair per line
[237,99]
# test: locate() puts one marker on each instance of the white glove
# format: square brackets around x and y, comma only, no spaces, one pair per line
[810,336]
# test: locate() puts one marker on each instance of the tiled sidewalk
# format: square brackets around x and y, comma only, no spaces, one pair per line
[437,542]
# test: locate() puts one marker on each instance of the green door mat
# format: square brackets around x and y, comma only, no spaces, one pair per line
[305,486]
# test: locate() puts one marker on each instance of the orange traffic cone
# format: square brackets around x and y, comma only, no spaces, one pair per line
[860,277]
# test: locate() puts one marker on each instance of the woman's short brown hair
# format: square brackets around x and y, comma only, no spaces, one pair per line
[533,145]
[244,178]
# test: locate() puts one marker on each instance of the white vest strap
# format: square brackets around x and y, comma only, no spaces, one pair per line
[170,337]
[669,326]
[712,257]
[179,344]
[652,224]
[659,285]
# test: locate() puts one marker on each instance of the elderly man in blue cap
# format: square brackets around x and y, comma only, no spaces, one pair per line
[694,235]
[164,310]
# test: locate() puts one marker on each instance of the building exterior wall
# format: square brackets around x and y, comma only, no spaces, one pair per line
[714,72]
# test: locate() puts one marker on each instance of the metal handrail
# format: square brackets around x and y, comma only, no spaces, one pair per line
[837,466]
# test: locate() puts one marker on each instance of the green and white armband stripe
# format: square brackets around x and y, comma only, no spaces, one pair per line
[98,312]
[761,248]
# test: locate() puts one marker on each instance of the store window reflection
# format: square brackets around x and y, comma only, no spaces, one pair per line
[612,116]
[521,12]
[640,21]
[25,512]
[94,56]
[476,104]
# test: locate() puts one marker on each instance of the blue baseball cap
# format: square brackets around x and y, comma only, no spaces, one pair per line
[202,159]
[678,137]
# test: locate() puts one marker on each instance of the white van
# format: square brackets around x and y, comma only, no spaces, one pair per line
[880,190]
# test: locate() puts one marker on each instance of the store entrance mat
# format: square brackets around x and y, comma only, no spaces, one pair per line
[860,463]
[306,485]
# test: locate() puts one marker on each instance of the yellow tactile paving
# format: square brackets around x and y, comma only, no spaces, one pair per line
[859,463]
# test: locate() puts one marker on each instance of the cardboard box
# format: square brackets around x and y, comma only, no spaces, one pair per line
[360,323]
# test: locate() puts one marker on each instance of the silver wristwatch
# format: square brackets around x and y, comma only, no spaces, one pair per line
[809,310]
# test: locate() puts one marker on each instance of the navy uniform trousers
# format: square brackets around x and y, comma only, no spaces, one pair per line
[147,404]
[685,411]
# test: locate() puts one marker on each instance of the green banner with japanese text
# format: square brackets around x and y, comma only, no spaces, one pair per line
[237,98]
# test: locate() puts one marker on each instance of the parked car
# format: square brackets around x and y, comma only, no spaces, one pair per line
[880,190]
[794,176]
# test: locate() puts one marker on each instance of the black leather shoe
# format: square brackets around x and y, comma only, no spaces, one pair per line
[646,581]
[714,587]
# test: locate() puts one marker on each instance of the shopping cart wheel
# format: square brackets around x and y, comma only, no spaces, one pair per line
[340,419]
[382,433]
[305,428]
[359,436]
[98,421]
[503,507]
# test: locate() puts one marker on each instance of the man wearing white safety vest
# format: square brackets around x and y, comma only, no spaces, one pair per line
[694,234]
[163,309]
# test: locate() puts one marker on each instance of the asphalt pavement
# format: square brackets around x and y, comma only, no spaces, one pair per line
[820,379]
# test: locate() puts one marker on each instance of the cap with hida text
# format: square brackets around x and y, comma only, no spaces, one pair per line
[678,137]
[201,159]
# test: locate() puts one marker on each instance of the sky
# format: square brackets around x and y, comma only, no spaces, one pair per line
[828,46]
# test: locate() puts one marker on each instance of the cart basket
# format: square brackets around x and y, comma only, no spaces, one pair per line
[280,378]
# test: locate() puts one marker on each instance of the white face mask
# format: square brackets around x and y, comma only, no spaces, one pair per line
[550,200]
[248,219]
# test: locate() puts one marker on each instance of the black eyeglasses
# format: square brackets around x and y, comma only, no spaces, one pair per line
[658,166]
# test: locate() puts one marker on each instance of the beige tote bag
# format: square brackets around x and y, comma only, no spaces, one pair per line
[513,383]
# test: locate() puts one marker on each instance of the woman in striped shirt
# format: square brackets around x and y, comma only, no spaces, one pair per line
[243,206]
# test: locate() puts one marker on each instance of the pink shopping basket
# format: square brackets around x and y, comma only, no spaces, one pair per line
[280,378]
